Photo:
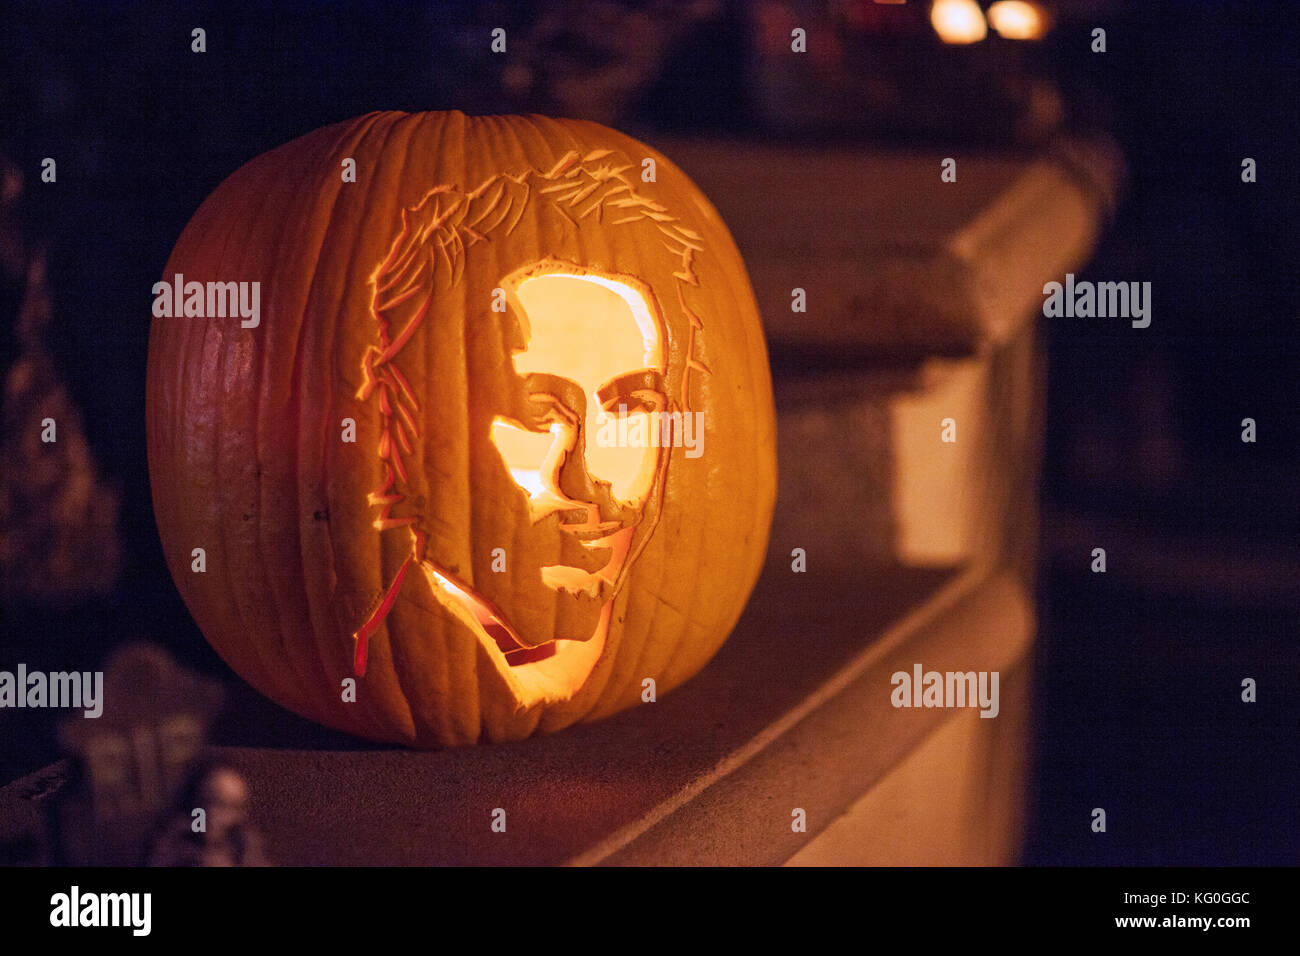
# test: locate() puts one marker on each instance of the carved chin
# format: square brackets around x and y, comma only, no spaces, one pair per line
[558,672]
[550,673]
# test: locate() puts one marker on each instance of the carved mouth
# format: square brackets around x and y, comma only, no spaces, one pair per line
[609,535]
[590,534]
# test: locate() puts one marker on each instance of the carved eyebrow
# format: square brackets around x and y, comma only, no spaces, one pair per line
[566,391]
[646,379]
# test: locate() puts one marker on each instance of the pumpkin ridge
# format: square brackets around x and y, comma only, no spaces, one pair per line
[217,520]
[322,631]
[224,521]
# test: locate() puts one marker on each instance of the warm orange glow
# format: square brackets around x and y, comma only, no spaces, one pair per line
[958,21]
[529,455]
[589,330]
[553,678]
[1018,20]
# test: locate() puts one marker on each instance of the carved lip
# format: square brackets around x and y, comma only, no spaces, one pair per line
[610,535]
[588,533]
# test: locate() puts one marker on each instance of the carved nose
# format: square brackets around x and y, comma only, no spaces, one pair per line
[576,483]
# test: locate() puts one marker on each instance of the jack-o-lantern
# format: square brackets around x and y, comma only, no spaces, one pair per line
[460,428]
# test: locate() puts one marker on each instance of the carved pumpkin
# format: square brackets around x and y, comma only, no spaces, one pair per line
[498,445]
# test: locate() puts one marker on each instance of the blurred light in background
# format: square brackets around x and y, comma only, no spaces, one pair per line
[958,21]
[1018,20]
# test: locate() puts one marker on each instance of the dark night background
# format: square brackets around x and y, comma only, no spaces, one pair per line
[1140,668]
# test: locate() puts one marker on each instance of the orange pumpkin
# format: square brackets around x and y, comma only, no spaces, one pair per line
[491,441]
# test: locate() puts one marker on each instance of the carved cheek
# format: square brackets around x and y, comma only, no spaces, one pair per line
[622,448]
[534,460]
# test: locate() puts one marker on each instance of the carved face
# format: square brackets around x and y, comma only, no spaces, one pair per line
[592,373]
[580,438]
[569,380]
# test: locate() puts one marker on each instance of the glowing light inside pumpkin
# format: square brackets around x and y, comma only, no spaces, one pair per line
[483,616]
[958,21]
[524,445]
[547,672]
[1017,20]
[528,479]
[592,332]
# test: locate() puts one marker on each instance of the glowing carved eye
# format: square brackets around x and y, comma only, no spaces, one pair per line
[641,400]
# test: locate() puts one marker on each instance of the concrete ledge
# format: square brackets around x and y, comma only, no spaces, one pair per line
[892,259]
[843,741]
[794,712]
